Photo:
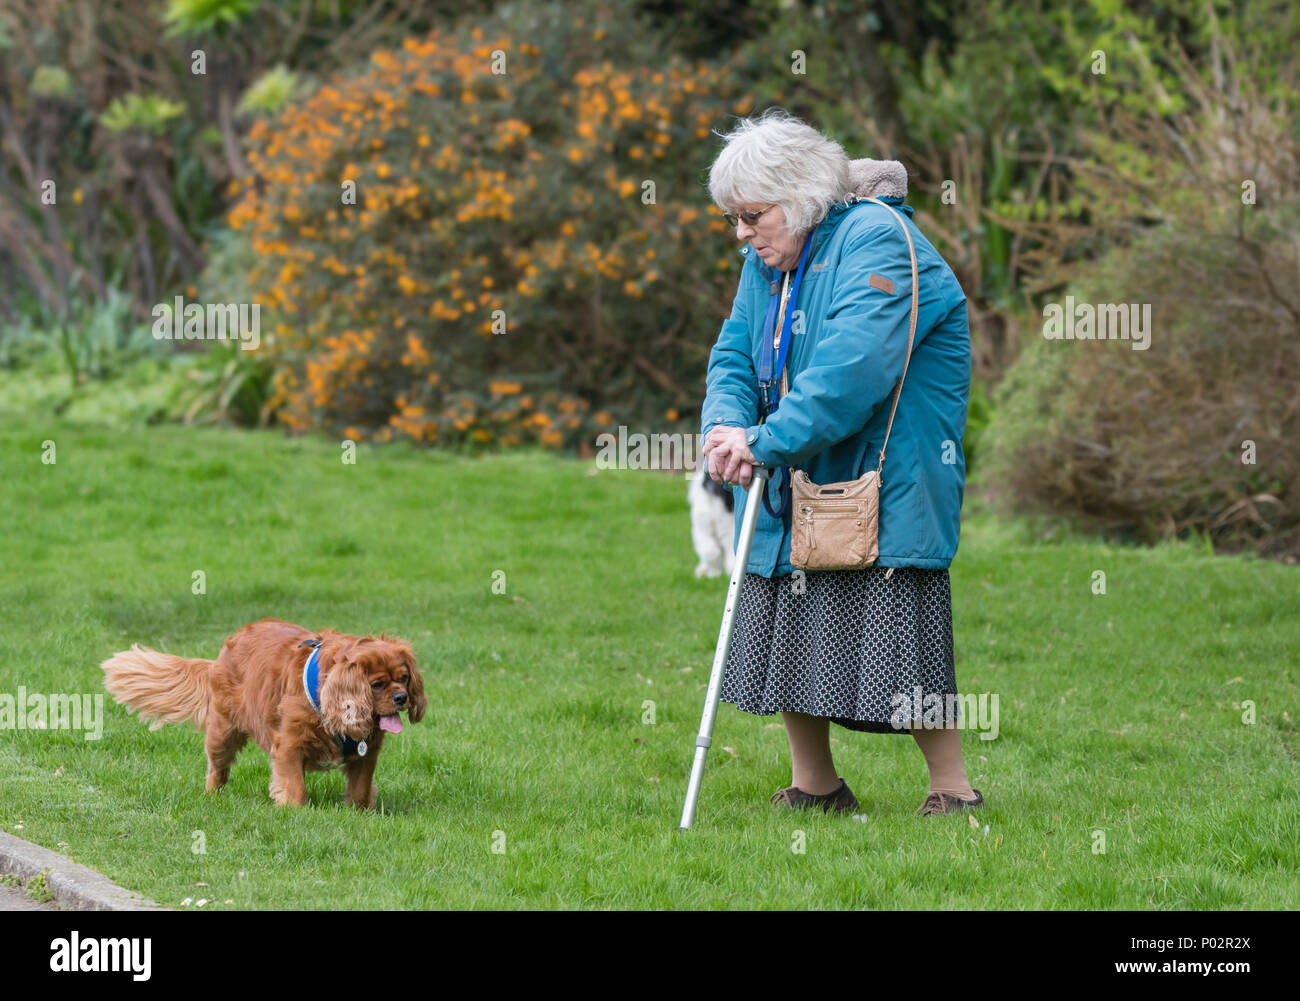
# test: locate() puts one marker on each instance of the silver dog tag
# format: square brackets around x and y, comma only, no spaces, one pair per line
[361,748]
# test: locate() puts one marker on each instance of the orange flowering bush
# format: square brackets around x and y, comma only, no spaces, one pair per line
[493,236]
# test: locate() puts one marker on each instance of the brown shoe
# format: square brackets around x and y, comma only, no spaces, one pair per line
[943,802]
[840,800]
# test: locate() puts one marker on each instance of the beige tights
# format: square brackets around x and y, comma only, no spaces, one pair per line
[813,769]
[942,750]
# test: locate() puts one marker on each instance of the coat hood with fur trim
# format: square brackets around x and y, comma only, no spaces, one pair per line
[877,179]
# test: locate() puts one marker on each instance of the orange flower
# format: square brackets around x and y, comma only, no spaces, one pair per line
[417,350]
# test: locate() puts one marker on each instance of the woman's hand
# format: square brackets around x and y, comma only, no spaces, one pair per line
[730,460]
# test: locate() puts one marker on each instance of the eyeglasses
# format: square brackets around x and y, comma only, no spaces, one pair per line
[749,218]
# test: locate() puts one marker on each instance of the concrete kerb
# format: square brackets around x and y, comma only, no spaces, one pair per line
[75,887]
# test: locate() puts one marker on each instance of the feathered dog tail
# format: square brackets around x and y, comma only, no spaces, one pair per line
[160,687]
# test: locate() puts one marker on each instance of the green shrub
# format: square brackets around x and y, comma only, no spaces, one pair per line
[94,338]
[271,91]
[145,393]
[1156,443]
[147,113]
[227,384]
[1199,195]
[979,412]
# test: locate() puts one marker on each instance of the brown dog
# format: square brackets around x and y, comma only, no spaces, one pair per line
[311,701]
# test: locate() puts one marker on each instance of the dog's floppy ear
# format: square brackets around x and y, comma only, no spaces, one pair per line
[346,702]
[418,701]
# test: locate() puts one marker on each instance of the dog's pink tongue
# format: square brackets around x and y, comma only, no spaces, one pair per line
[392,724]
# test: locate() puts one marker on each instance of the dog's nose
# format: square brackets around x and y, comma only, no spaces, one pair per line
[400,698]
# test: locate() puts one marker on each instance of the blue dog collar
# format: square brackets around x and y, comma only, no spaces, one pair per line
[311,688]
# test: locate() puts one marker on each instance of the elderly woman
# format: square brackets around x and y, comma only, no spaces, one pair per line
[869,649]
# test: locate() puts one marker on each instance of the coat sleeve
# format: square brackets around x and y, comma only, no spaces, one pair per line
[858,358]
[731,395]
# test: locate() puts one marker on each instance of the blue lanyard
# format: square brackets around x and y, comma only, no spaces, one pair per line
[768,376]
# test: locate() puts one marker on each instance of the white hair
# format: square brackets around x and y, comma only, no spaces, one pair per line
[778,158]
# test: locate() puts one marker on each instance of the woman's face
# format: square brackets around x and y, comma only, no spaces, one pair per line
[767,236]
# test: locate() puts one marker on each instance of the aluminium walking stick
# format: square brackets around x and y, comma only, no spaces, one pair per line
[757,489]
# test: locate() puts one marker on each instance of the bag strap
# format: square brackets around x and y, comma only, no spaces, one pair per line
[911,328]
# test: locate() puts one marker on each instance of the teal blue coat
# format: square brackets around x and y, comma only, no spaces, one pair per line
[843,368]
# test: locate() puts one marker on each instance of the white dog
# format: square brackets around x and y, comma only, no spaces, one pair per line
[712,525]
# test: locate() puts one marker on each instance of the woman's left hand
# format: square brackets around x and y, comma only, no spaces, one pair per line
[732,453]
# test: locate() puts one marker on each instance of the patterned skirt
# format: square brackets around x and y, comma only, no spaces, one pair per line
[865,649]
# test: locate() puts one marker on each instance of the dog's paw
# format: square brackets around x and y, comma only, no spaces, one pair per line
[705,570]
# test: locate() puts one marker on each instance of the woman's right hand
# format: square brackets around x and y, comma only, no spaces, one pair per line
[725,464]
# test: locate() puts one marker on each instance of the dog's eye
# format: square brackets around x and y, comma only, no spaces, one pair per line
[406,678]
[377,685]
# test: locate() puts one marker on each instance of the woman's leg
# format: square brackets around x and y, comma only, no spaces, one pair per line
[942,750]
[812,769]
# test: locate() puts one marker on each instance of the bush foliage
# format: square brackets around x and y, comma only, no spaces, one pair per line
[1196,433]
[531,256]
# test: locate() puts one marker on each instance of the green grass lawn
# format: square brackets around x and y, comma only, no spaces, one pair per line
[1120,713]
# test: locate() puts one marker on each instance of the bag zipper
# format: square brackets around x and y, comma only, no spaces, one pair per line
[831,507]
[807,518]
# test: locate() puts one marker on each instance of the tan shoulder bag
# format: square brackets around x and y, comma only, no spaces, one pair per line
[836,526]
